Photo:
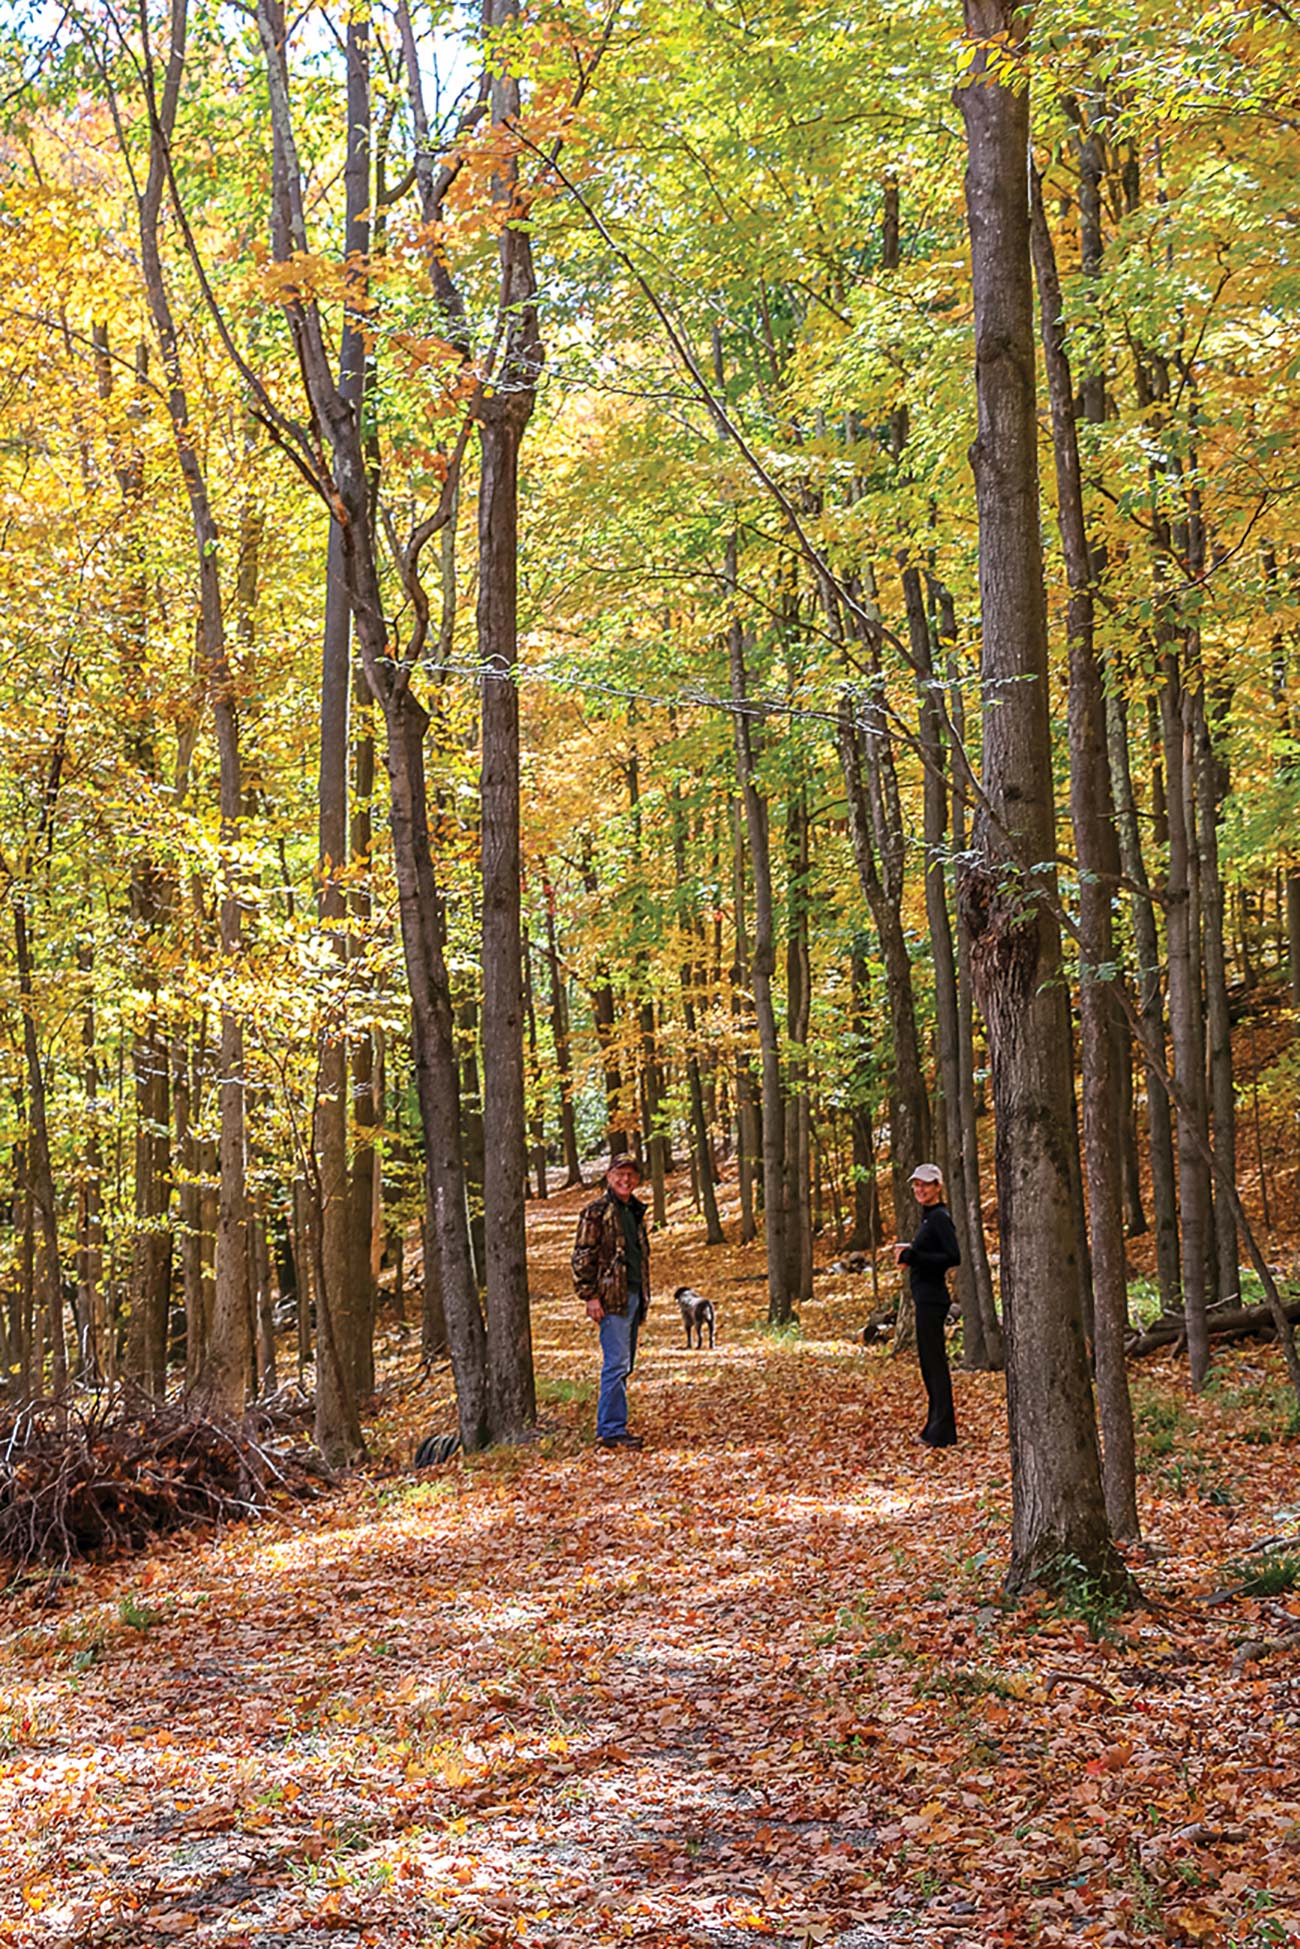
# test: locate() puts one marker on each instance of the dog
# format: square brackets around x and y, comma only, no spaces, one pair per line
[697,1312]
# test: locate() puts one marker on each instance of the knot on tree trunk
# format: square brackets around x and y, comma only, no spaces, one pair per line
[1000,911]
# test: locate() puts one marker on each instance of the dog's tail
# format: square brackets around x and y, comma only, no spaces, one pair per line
[436,1449]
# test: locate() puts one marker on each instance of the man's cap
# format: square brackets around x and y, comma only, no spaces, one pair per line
[927,1174]
[624,1161]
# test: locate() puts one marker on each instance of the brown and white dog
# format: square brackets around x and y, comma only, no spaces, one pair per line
[697,1313]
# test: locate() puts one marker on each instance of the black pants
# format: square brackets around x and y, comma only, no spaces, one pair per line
[940,1430]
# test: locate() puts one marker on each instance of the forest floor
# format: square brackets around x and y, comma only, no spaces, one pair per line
[758,1682]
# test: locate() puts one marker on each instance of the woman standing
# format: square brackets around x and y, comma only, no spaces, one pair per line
[927,1258]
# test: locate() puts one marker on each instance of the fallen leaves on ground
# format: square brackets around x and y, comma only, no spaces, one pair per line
[755,1684]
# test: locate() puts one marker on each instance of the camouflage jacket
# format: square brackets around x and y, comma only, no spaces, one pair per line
[600,1254]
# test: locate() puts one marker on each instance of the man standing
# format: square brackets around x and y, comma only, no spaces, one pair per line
[611,1276]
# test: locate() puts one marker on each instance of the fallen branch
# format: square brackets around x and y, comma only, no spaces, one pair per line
[1054,1678]
[1253,1650]
[1228,1323]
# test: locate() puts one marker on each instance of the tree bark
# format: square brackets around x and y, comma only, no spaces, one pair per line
[1058,1505]
[1098,856]
[504,1163]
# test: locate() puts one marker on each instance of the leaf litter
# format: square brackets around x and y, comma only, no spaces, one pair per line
[757,1683]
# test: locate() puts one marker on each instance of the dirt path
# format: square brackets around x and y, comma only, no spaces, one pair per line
[755,1683]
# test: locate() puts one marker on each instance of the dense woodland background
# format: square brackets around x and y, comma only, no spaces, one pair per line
[506,655]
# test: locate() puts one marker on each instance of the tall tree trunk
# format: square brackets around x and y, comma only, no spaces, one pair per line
[1160,1126]
[976,1352]
[342,1312]
[504,1175]
[1185,1013]
[749,1135]
[433,1315]
[1092,407]
[1135,1218]
[149,1286]
[503,411]
[31,1382]
[300,1224]
[365,1186]
[703,1150]
[618,1125]
[652,1081]
[406,722]
[472,1137]
[618,1134]
[536,1117]
[151,1250]
[437,1080]
[40,1174]
[189,1206]
[223,1380]
[263,1299]
[876,828]
[1058,1505]
[97,1356]
[798,991]
[909,1103]
[1098,855]
[1211,785]
[780,1307]
[563,1047]
[994,1339]
[865,1236]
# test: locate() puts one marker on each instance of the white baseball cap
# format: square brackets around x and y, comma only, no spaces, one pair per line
[927,1174]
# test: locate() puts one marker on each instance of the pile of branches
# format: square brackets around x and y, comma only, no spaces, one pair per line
[104,1475]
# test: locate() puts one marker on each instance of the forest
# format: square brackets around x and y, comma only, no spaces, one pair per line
[704,581]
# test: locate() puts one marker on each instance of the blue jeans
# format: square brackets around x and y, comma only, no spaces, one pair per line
[618,1332]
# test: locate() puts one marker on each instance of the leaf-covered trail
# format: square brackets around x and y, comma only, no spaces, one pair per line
[753,1683]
